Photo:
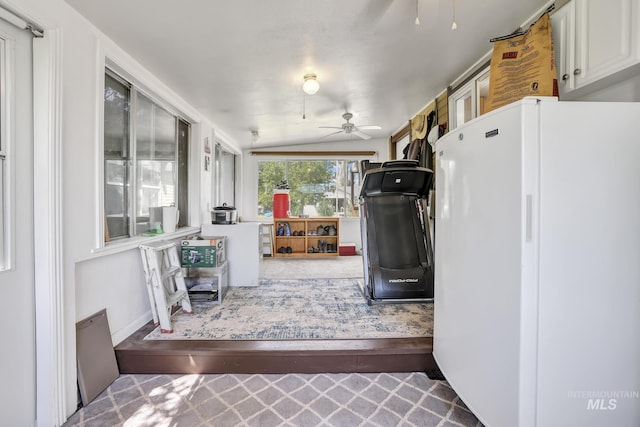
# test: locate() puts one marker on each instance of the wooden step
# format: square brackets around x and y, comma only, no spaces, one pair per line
[137,356]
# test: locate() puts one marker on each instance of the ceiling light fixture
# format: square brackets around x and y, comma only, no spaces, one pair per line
[310,85]
[255,136]
[417,18]
[454,25]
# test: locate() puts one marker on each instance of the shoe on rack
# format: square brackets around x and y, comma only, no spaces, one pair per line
[289,250]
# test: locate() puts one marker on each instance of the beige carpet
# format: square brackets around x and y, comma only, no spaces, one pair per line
[337,267]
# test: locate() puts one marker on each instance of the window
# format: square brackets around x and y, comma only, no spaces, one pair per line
[467,102]
[225,177]
[145,160]
[316,187]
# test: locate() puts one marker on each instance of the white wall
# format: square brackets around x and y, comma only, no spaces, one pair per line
[625,91]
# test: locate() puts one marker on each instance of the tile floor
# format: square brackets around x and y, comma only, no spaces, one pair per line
[382,399]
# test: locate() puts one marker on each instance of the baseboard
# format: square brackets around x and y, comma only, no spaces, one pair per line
[127,331]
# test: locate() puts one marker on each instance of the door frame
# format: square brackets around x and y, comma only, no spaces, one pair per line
[51,393]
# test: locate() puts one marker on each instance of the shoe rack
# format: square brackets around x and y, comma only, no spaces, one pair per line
[303,239]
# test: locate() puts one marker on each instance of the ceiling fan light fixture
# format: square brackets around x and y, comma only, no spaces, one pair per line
[310,85]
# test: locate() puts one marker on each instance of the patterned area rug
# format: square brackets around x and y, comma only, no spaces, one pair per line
[337,267]
[299,309]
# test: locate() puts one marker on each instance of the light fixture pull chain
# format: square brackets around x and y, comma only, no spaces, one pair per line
[417,17]
[304,114]
[453,24]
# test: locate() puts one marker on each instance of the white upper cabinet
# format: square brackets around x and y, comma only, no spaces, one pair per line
[596,43]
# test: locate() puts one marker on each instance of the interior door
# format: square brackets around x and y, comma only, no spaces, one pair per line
[17,321]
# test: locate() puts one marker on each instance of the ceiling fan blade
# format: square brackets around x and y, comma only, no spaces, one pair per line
[370,127]
[332,133]
[361,134]
[329,127]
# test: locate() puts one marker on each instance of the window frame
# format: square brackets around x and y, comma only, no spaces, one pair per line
[182,155]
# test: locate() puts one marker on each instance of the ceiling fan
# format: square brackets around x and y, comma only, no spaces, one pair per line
[350,128]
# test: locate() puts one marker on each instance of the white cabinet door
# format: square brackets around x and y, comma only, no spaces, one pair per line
[594,40]
[606,38]
[563,31]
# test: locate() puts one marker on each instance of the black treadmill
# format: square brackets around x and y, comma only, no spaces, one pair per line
[396,235]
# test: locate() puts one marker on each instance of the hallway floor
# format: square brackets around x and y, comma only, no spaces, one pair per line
[383,399]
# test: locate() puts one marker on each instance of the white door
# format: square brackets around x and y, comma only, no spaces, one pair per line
[17,320]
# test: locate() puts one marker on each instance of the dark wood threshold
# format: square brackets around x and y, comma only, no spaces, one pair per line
[137,356]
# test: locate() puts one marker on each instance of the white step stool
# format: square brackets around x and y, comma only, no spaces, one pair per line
[165,282]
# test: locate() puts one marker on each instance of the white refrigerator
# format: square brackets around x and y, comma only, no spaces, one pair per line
[537,264]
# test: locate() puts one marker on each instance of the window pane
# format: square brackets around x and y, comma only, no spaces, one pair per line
[116,151]
[156,147]
[312,187]
[155,188]
[116,198]
[144,127]
[269,175]
[116,119]
[482,89]
[155,131]
[228,178]
[352,189]
[183,173]
[463,109]
[165,134]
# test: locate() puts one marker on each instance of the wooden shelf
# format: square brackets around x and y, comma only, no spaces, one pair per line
[303,238]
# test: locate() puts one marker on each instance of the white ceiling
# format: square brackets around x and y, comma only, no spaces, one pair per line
[241,63]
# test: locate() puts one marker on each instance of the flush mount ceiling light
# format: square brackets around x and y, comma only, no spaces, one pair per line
[310,85]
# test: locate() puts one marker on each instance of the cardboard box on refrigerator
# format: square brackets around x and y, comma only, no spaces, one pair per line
[203,253]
